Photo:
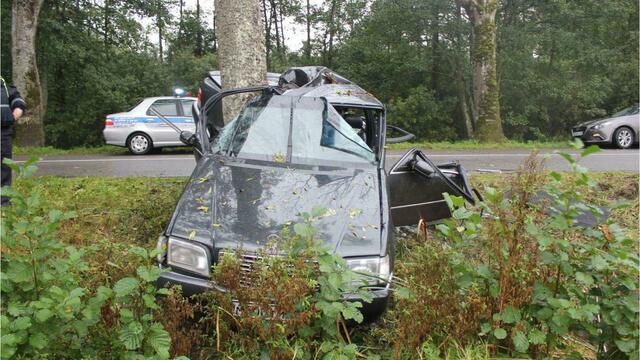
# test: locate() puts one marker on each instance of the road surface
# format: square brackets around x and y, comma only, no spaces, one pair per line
[169,165]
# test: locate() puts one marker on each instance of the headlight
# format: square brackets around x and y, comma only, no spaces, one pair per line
[378,267]
[188,255]
[600,126]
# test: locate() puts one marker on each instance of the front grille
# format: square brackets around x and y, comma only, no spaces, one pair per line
[579,128]
[247,262]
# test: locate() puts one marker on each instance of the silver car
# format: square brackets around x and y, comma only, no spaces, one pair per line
[621,129]
[140,130]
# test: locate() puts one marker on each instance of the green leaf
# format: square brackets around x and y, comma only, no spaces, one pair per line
[403,293]
[159,339]
[598,262]
[590,150]
[537,337]
[21,323]
[511,315]
[584,278]
[304,230]
[126,286]
[43,315]
[626,346]
[131,336]
[500,333]
[520,342]
[38,340]
[351,311]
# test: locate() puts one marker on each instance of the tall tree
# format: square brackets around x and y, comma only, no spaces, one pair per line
[240,47]
[24,24]
[486,93]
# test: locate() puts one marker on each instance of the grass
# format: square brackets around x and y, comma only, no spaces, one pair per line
[136,209]
[98,150]
[443,145]
[474,145]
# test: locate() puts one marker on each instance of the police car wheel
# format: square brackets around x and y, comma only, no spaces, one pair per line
[139,144]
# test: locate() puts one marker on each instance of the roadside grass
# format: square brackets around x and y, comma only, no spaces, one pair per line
[117,212]
[440,145]
[475,145]
[98,150]
[136,209]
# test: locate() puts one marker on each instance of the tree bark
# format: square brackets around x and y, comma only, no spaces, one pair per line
[160,26]
[308,47]
[486,93]
[240,48]
[24,25]
[332,21]
[199,46]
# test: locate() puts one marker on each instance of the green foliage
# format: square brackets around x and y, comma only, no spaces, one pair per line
[47,311]
[43,304]
[424,114]
[545,274]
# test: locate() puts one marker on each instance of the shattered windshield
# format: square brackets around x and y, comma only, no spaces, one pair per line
[300,130]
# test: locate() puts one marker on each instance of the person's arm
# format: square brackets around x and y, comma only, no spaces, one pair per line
[16,102]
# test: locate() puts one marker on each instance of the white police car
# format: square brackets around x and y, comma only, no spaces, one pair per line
[141,130]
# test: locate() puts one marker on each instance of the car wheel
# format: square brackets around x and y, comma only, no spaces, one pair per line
[139,144]
[623,137]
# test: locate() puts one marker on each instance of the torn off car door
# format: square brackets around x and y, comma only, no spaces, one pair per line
[416,186]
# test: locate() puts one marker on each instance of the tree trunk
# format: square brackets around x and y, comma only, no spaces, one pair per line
[486,93]
[241,49]
[308,47]
[267,31]
[215,36]
[24,24]
[332,18]
[180,20]
[274,21]
[199,45]
[160,26]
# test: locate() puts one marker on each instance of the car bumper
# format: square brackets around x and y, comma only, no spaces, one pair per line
[193,285]
[116,136]
[591,136]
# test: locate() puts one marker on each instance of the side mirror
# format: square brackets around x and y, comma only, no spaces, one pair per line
[422,167]
[404,135]
[188,138]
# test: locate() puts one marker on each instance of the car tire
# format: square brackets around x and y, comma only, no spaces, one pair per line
[139,144]
[623,137]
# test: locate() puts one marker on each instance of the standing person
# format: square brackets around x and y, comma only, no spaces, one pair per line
[12,107]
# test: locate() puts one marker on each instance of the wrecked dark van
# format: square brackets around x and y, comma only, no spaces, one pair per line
[316,139]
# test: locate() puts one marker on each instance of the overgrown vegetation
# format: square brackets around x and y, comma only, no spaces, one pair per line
[523,280]
[558,63]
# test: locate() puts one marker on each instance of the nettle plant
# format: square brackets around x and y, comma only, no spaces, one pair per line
[46,310]
[291,303]
[545,275]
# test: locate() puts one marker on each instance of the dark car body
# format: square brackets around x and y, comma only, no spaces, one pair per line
[240,194]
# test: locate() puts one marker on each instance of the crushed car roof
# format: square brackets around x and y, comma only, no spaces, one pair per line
[318,81]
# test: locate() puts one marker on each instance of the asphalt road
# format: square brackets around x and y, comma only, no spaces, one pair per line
[169,165]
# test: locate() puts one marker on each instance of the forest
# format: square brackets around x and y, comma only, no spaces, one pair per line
[557,62]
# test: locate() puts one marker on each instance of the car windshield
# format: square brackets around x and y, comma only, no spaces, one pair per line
[632,110]
[300,130]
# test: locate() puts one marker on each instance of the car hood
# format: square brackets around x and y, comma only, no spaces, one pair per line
[234,204]
[600,121]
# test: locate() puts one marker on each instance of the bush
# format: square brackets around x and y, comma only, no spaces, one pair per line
[46,310]
[526,277]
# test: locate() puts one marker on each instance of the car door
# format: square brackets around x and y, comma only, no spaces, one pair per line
[416,186]
[186,122]
[161,133]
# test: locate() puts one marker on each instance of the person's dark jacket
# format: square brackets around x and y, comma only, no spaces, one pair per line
[10,100]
